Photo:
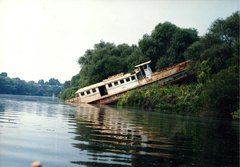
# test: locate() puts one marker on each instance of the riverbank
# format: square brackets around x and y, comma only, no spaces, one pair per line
[170,98]
[182,99]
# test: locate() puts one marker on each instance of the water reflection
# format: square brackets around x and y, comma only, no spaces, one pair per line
[110,127]
[148,139]
[58,134]
[34,128]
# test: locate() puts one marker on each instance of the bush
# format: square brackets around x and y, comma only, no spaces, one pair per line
[68,93]
[171,98]
[222,92]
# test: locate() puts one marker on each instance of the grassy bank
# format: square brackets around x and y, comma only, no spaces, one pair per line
[171,98]
[182,99]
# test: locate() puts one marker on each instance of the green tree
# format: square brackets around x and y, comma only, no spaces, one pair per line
[227,31]
[134,59]
[19,86]
[107,66]
[217,55]
[222,92]
[104,60]
[66,84]
[193,53]
[5,85]
[53,81]
[220,46]
[41,82]
[4,74]
[75,81]
[33,89]
[166,45]
[86,58]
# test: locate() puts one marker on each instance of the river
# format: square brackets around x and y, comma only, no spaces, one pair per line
[60,134]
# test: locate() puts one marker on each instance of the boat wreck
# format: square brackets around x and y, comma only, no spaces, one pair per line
[111,89]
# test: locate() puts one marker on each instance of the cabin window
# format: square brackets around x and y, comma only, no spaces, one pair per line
[110,85]
[88,92]
[116,83]
[122,81]
[93,90]
[127,79]
[82,94]
[133,77]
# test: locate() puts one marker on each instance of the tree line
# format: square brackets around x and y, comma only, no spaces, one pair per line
[20,87]
[107,59]
[214,61]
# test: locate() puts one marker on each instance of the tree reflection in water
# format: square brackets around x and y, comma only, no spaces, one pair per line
[112,137]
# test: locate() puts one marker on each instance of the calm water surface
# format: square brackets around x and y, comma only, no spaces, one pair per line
[59,134]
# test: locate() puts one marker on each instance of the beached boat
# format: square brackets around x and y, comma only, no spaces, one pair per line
[111,89]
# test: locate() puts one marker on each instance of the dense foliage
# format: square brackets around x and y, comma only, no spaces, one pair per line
[222,92]
[219,47]
[20,87]
[173,98]
[167,44]
[214,63]
[107,59]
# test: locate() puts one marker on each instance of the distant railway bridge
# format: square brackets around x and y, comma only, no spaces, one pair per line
[53,89]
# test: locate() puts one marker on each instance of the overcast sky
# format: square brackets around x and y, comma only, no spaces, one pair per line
[43,39]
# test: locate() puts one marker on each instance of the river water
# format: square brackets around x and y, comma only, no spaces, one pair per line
[59,134]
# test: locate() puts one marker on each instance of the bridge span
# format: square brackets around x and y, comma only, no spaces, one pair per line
[53,89]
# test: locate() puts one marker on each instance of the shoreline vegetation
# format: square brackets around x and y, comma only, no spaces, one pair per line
[214,65]
[174,98]
[192,99]
[17,86]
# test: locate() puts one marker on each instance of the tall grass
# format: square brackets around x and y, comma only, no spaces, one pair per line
[170,98]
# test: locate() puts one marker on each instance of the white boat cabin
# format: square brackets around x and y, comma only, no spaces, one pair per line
[115,84]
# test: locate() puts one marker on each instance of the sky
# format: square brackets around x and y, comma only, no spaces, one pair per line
[43,39]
